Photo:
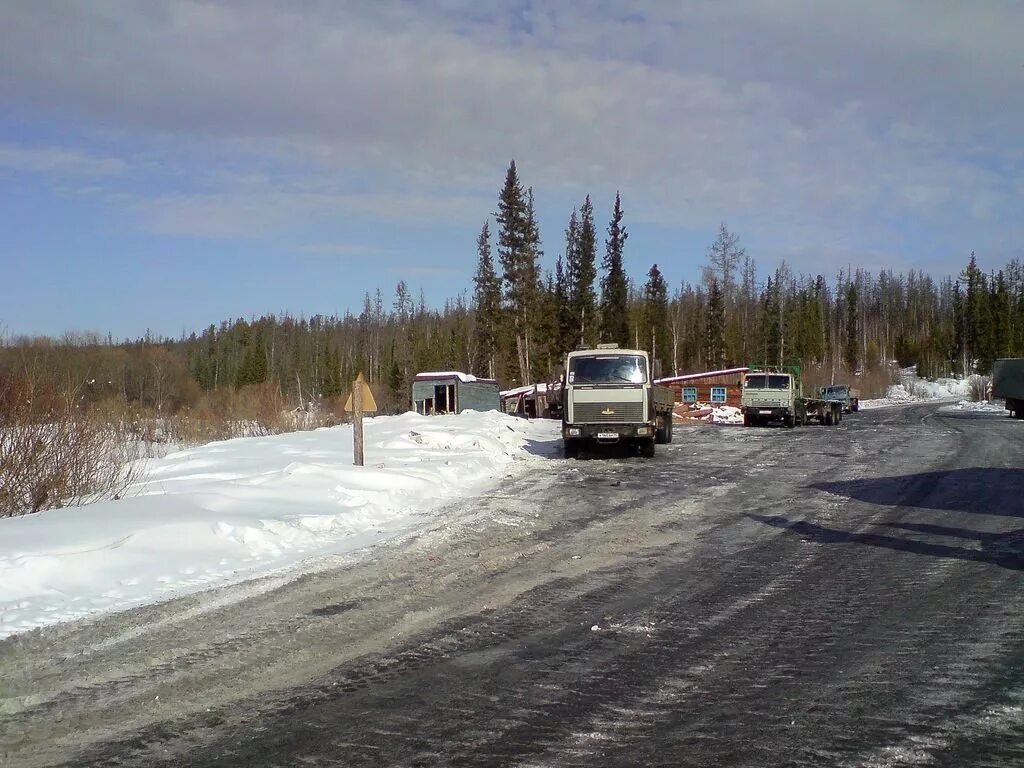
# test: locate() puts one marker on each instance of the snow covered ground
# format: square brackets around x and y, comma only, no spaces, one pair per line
[914,390]
[238,509]
[983,407]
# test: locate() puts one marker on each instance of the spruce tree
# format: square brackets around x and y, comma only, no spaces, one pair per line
[851,350]
[565,327]
[715,326]
[656,316]
[581,267]
[614,284]
[518,251]
[486,305]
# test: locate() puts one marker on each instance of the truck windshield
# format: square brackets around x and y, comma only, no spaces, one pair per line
[608,369]
[766,381]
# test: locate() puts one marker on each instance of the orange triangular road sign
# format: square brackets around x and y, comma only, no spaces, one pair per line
[369,404]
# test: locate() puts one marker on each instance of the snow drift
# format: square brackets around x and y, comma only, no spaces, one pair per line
[237,509]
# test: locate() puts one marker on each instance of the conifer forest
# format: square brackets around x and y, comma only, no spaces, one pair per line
[532,298]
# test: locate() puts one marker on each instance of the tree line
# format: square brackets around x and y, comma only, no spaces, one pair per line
[521,318]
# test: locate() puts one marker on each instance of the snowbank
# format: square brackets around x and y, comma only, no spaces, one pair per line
[237,509]
[914,390]
[724,414]
[985,407]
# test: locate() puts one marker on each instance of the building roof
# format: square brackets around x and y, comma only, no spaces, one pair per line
[705,375]
[464,377]
[529,389]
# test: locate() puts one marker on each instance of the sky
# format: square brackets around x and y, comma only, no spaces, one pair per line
[165,166]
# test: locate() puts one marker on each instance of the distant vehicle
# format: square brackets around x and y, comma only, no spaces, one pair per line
[844,393]
[776,394]
[1008,384]
[609,396]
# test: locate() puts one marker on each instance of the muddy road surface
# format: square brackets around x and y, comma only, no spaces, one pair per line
[848,595]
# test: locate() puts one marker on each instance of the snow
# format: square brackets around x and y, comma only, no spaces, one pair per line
[723,414]
[983,406]
[466,377]
[239,509]
[529,389]
[914,390]
[691,376]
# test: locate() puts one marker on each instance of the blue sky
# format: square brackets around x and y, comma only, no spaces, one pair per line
[169,165]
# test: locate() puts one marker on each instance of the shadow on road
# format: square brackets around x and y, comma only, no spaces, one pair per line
[981,490]
[1002,549]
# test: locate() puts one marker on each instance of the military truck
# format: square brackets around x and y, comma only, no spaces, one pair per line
[609,397]
[844,393]
[1008,384]
[775,394]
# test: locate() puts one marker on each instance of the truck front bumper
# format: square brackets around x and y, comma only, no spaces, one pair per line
[606,433]
[765,411]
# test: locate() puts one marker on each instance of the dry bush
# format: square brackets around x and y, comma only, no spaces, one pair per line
[871,384]
[981,387]
[55,453]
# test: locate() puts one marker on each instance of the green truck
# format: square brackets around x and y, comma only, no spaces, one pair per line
[1008,384]
[775,394]
[609,397]
[844,393]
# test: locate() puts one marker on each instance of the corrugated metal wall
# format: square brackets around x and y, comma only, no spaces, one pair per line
[470,395]
[478,396]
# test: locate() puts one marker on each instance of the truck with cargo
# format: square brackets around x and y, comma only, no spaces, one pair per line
[1008,384]
[776,395]
[609,397]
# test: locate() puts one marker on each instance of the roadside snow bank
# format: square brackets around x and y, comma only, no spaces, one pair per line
[914,390]
[985,407]
[238,509]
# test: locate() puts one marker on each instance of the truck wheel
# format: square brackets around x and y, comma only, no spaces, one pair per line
[826,418]
[855,406]
[571,450]
[669,430]
[837,416]
[747,420]
[659,434]
[790,421]
[647,449]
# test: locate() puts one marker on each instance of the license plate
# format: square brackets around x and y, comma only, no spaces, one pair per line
[607,435]
[765,413]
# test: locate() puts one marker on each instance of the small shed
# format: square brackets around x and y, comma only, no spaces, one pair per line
[533,401]
[715,388]
[437,392]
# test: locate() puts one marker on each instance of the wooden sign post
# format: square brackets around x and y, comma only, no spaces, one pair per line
[359,402]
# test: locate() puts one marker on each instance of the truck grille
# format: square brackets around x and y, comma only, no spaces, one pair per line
[596,413]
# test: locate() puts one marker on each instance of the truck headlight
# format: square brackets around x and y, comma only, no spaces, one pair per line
[643,430]
[574,431]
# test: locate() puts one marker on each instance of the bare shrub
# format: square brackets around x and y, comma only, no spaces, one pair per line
[871,384]
[981,387]
[55,453]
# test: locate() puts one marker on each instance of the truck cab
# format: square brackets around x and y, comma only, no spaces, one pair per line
[609,396]
[770,396]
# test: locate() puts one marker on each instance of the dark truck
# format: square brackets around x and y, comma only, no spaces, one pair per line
[844,393]
[1008,384]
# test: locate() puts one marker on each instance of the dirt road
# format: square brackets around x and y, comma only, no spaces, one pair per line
[751,597]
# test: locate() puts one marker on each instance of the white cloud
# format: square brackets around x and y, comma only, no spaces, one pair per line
[57,160]
[792,118]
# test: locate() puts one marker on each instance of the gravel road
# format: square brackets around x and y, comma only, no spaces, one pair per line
[848,596]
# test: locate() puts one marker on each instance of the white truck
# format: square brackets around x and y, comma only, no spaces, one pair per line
[609,397]
[776,394]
